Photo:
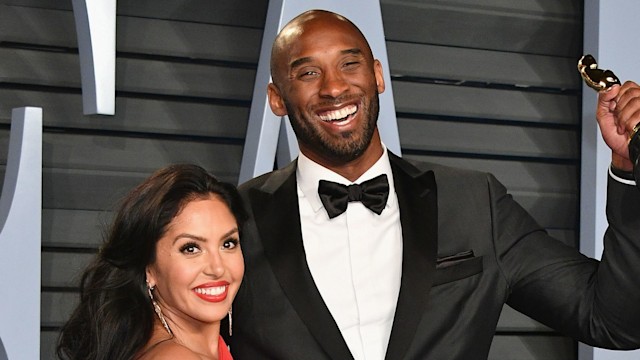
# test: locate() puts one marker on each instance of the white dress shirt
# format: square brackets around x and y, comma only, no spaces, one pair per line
[355,258]
[619,179]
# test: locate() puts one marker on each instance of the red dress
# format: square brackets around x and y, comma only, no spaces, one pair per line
[223,350]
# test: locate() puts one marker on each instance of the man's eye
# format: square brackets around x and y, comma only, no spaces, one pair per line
[308,74]
[351,64]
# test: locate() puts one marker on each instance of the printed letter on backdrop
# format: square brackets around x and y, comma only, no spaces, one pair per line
[20,238]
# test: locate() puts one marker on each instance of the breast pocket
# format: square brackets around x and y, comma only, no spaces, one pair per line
[456,267]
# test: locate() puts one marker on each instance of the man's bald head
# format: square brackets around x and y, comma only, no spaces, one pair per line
[309,21]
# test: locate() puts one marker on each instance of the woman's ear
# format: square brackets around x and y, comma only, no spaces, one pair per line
[151,279]
[275,100]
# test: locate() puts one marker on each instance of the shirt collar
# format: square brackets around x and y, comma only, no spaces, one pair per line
[309,173]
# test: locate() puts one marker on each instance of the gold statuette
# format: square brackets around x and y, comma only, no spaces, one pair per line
[595,78]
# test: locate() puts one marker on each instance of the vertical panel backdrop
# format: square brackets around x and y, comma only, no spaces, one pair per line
[489,85]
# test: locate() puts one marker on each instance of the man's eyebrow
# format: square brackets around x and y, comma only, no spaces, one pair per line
[354,51]
[301,61]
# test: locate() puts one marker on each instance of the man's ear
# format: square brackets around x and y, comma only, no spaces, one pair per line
[377,70]
[275,100]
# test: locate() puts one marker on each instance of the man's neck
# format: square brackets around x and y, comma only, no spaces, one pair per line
[353,169]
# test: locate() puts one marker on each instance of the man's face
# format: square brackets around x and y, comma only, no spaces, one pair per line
[327,82]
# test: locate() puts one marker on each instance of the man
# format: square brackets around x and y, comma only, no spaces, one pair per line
[426,272]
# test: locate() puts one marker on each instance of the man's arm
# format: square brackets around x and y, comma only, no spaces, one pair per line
[618,114]
[591,301]
[595,302]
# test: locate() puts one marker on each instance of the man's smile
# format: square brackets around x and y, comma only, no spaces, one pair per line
[339,114]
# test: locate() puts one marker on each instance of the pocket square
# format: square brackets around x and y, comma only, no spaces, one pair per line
[446,261]
[457,267]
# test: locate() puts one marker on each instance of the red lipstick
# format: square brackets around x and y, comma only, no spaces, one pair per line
[212,292]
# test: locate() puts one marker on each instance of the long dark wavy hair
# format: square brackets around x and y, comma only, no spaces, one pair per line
[115,317]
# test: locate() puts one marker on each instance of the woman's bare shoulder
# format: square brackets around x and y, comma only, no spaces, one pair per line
[167,350]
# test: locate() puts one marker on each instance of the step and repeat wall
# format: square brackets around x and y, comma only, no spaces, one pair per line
[487,85]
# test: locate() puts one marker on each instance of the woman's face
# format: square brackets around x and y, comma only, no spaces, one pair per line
[199,264]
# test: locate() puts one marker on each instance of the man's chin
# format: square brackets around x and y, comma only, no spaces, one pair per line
[344,154]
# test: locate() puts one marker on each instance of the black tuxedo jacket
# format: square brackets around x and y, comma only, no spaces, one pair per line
[468,248]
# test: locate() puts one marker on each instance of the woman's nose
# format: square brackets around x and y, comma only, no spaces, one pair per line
[215,265]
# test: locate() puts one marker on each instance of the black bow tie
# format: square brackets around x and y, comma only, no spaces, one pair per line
[372,193]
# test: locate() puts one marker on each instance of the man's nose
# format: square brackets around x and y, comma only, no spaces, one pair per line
[333,84]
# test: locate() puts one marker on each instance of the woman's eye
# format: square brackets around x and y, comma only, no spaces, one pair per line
[230,244]
[189,249]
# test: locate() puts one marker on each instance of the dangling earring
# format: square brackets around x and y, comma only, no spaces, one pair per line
[230,321]
[157,309]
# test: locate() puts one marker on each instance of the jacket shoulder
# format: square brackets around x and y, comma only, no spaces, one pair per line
[271,179]
[445,173]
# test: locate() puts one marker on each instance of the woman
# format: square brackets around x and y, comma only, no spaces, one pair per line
[165,277]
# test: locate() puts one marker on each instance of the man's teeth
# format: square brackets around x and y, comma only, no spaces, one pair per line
[211,291]
[339,114]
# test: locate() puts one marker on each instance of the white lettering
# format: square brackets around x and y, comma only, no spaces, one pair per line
[20,237]
[96,32]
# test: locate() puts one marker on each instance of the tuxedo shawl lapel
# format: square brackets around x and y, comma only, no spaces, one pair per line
[416,191]
[275,206]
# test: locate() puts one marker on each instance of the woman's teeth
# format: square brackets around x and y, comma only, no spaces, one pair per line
[210,291]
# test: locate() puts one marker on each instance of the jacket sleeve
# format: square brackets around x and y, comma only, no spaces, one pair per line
[595,302]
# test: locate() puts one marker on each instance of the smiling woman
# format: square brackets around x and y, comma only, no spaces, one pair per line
[166,275]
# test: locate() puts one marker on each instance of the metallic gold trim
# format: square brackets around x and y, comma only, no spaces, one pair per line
[595,78]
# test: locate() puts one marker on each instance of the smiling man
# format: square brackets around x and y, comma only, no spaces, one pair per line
[329,86]
[352,252]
